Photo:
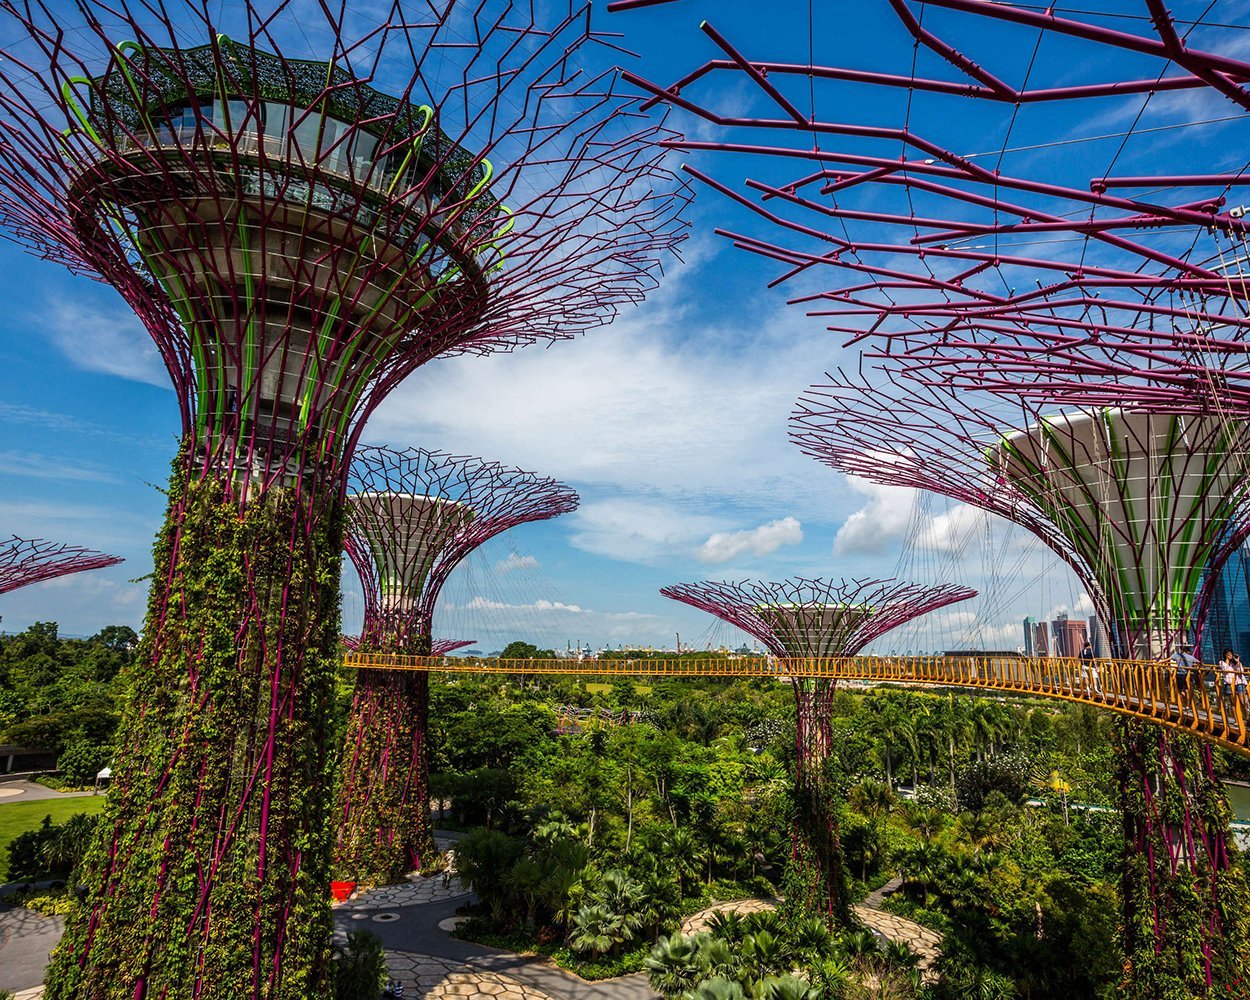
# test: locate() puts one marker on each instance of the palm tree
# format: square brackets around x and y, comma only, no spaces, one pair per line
[982,831]
[727,925]
[873,800]
[559,892]
[811,938]
[671,966]
[683,851]
[525,881]
[861,943]
[623,897]
[924,823]
[658,901]
[787,988]
[764,954]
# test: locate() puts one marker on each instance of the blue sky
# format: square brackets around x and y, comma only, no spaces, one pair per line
[671,423]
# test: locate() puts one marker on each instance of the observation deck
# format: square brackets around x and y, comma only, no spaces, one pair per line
[307,230]
[1149,690]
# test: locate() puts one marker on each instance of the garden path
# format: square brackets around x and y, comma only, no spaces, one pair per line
[413,919]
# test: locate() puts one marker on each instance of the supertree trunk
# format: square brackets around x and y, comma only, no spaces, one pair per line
[210,878]
[1186,918]
[815,878]
[384,828]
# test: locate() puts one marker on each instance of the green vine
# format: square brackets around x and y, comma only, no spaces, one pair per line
[1186,930]
[208,872]
[384,829]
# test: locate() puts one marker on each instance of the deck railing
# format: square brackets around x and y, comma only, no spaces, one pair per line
[1154,690]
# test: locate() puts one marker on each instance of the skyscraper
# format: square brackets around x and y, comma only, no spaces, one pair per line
[1041,639]
[1030,627]
[1069,635]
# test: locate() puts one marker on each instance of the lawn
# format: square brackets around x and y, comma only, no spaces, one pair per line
[18,817]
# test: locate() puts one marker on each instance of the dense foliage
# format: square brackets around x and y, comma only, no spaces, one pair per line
[62,696]
[593,842]
[225,717]
[999,817]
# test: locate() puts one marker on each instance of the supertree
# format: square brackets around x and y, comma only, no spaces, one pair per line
[816,619]
[1144,506]
[983,233]
[24,561]
[302,206]
[413,516]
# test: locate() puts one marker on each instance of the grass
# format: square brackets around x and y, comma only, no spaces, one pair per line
[18,817]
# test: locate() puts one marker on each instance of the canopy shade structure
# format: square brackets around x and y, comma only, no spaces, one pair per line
[24,561]
[926,202]
[297,237]
[1145,507]
[413,517]
[816,618]
[820,619]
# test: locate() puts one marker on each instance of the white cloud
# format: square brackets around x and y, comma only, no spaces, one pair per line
[515,562]
[723,546]
[548,607]
[639,531]
[112,341]
[656,403]
[952,530]
[36,466]
[879,524]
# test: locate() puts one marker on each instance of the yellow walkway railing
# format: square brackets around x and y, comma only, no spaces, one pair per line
[1145,689]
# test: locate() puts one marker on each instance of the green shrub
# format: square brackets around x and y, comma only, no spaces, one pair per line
[51,850]
[359,967]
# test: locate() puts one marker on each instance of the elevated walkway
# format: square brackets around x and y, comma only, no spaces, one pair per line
[1144,689]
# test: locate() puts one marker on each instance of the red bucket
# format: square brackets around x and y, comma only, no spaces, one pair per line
[341,890]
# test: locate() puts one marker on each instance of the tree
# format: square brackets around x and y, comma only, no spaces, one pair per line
[875,801]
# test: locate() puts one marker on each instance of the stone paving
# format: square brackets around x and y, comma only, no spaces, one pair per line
[437,978]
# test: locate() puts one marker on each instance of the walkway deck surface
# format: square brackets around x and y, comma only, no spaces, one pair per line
[1152,690]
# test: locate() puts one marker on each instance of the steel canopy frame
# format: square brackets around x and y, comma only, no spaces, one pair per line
[413,516]
[302,208]
[816,619]
[24,561]
[1145,507]
[1147,268]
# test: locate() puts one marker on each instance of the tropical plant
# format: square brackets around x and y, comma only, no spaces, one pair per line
[672,965]
[359,967]
[597,931]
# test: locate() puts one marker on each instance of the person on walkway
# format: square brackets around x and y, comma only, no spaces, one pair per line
[1089,669]
[1187,666]
[1226,671]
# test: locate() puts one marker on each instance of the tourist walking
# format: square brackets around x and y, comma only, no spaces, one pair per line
[1239,685]
[1089,670]
[1226,672]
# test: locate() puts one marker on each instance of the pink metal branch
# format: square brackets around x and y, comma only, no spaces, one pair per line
[24,561]
[414,515]
[816,618]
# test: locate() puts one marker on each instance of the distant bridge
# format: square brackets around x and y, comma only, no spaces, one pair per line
[1150,690]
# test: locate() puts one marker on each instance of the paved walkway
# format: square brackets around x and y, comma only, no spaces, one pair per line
[26,940]
[28,791]
[413,920]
